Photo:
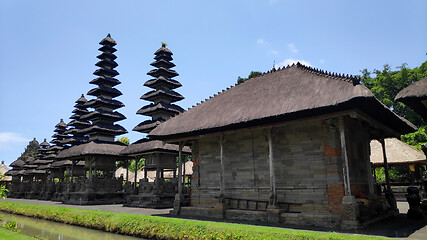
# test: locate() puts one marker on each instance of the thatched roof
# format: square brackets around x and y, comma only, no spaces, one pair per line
[92,148]
[278,96]
[397,152]
[415,96]
[17,163]
[14,172]
[146,145]
[3,170]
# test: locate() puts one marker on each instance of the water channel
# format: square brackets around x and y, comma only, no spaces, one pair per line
[58,231]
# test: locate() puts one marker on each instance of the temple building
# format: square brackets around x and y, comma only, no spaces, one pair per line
[290,146]
[159,157]
[101,152]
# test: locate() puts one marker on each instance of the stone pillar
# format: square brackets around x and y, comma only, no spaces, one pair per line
[349,207]
[178,196]
[273,211]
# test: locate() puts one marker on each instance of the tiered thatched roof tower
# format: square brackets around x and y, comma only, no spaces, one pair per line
[103,117]
[77,124]
[163,96]
[58,138]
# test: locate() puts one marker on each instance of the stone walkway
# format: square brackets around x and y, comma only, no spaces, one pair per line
[397,227]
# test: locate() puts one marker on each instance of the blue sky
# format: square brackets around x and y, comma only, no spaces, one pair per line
[48,49]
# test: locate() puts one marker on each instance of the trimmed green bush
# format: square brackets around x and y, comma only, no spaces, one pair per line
[163,228]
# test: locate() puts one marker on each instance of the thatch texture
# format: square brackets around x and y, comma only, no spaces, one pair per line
[415,96]
[146,145]
[92,148]
[3,170]
[17,163]
[397,152]
[288,94]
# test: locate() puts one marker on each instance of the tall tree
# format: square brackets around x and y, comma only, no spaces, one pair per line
[387,83]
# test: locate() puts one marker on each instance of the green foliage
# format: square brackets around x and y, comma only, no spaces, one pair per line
[396,173]
[132,163]
[387,83]
[11,226]
[251,75]
[32,149]
[123,140]
[3,191]
[152,227]
[416,139]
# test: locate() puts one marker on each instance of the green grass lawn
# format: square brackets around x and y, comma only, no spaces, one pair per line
[163,228]
[11,235]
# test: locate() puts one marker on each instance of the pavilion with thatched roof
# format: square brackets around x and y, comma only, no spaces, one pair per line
[291,145]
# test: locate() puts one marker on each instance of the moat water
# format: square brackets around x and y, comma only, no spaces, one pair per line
[58,231]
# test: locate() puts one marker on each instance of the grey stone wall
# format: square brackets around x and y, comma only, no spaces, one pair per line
[300,169]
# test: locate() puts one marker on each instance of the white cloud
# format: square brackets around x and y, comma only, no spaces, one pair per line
[260,41]
[322,61]
[292,48]
[291,61]
[11,137]
[8,139]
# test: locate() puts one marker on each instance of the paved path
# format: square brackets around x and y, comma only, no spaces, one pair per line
[397,227]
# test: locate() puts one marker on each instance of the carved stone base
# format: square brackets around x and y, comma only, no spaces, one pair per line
[350,213]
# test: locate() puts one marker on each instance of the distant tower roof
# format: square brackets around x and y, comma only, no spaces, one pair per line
[163,96]
[76,124]
[103,117]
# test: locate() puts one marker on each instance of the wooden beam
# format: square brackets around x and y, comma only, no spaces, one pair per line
[346,174]
[318,117]
[181,145]
[221,156]
[271,166]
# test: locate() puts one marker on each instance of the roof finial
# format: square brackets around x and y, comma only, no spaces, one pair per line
[164,44]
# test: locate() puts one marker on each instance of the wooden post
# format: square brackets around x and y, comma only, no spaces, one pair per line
[127,170]
[221,156]
[136,172]
[73,162]
[387,176]
[90,169]
[158,173]
[346,174]
[367,150]
[271,167]
[183,174]
[181,145]
[178,196]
